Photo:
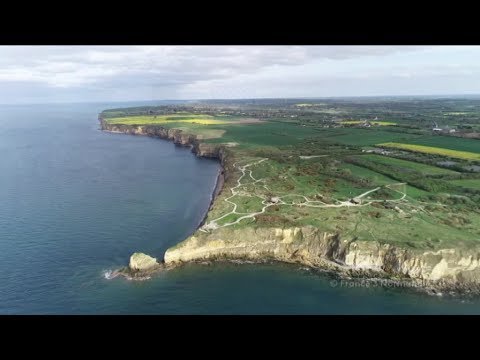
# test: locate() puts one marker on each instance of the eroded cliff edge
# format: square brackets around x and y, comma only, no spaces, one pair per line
[452,269]
[446,269]
[177,136]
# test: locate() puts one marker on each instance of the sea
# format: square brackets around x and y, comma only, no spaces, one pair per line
[76,202]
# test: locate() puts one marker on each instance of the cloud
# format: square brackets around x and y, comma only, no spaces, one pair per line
[76,66]
[135,72]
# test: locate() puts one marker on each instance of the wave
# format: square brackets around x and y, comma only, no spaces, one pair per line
[109,274]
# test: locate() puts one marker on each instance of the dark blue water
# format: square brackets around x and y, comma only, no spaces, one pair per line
[75,202]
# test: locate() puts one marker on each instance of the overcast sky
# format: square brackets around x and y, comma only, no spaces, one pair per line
[36,74]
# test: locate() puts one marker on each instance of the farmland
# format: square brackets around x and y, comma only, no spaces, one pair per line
[468,183]
[265,134]
[363,137]
[311,158]
[447,142]
[433,150]
[177,118]
[409,165]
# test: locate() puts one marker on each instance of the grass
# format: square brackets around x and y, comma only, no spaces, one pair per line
[378,179]
[388,226]
[202,132]
[265,134]
[415,193]
[247,204]
[433,150]
[467,183]
[363,137]
[380,123]
[409,165]
[229,218]
[345,190]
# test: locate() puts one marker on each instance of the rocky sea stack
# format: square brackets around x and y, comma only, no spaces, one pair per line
[140,262]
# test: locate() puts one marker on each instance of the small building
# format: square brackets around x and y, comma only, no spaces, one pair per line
[436,127]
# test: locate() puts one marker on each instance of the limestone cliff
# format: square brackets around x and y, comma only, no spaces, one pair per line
[178,137]
[446,268]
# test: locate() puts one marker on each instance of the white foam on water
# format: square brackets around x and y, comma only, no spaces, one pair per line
[108,274]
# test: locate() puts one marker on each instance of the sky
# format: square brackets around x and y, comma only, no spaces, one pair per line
[44,74]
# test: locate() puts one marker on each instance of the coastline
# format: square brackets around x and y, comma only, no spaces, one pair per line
[192,142]
[219,182]
[445,270]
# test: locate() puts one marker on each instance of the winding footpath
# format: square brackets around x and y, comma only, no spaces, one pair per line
[278,200]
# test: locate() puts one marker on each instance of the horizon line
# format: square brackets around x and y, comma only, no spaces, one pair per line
[252,98]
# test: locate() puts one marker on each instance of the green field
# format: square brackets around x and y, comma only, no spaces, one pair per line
[363,137]
[202,132]
[447,142]
[409,165]
[380,179]
[376,178]
[287,133]
[265,134]
[468,183]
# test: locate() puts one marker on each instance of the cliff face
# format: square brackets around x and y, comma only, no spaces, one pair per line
[307,245]
[177,136]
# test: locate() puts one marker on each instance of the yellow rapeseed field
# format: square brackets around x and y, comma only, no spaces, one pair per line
[152,120]
[433,150]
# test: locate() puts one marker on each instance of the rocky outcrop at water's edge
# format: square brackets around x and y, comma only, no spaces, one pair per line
[142,262]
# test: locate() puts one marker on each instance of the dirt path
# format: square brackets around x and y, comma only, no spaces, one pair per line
[213,224]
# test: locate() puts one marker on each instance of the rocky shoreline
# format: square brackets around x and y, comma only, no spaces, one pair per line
[445,270]
[442,271]
[216,191]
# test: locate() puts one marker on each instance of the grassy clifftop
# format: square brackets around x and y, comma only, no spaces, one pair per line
[326,171]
